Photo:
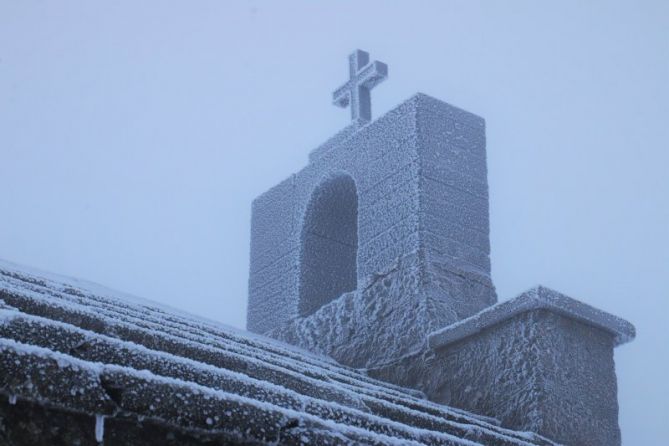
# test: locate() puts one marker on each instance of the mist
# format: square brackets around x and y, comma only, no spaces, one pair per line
[134,136]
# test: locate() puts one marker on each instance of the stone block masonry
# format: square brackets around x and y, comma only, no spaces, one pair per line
[387,193]
[541,362]
[377,254]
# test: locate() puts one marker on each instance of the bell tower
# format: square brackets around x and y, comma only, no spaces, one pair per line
[377,254]
[385,229]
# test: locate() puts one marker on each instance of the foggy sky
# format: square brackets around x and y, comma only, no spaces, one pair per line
[134,135]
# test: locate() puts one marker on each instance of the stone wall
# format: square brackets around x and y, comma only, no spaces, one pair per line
[541,362]
[389,317]
[420,177]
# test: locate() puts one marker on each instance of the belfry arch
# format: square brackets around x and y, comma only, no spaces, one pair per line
[329,244]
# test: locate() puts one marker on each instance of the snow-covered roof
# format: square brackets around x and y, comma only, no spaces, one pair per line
[76,347]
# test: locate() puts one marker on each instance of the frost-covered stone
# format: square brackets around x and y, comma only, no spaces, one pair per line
[382,195]
[356,92]
[374,261]
[82,363]
[361,328]
[539,362]
[538,298]
[377,254]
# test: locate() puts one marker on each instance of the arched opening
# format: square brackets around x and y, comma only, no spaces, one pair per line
[329,244]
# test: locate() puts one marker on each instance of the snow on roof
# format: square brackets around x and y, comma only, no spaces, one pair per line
[78,347]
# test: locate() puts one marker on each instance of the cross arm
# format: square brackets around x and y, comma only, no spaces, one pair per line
[342,95]
[373,74]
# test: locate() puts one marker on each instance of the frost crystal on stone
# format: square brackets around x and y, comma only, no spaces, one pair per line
[377,254]
[356,92]
[381,239]
[374,261]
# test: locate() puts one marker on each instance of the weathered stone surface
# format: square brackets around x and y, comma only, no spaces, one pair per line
[422,313]
[388,318]
[375,254]
[404,170]
[539,362]
[535,299]
[355,94]
[68,354]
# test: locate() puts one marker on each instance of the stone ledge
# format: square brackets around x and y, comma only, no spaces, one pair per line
[534,299]
[335,140]
[417,101]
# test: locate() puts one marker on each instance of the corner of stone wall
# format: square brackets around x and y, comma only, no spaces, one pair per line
[541,362]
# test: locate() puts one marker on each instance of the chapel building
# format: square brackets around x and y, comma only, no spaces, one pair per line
[372,319]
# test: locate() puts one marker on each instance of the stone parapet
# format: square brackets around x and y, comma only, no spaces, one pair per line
[539,298]
[541,362]
[413,181]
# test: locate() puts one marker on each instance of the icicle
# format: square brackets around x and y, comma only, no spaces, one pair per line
[12,399]
[99,428]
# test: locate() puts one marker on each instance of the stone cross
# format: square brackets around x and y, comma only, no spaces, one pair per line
[356,92]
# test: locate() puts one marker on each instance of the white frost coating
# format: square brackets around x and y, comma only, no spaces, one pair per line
[536,298]
[219,394]
[270,387]
[420,173]
[161,327]
[68,361]
[117,303]
[252,349]
[12,399]
[355,93]
[99,428]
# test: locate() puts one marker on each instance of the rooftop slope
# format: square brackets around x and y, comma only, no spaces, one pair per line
[79,362]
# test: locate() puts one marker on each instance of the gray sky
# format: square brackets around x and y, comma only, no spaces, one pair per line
[134,135]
